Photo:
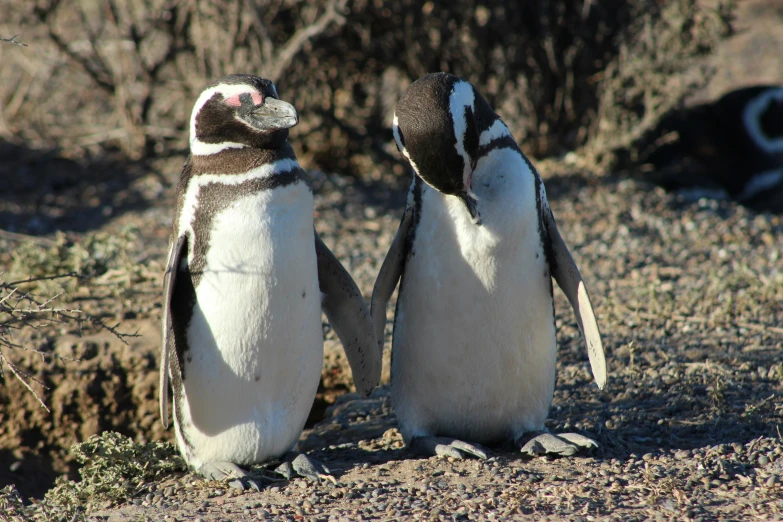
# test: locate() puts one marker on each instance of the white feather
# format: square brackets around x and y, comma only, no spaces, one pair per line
[403,150]
[761,182]
[200,148]
[751,117]
[497,130]
[460,99]
[197,182]
[255,339]
[474,340]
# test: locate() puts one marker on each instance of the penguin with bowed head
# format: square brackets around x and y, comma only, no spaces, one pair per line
[473,350]
[246,280]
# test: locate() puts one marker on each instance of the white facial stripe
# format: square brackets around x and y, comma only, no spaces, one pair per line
[461,98]
[196,182]
[199,148]
[760,182]
[750,117]
[497,130]
[396,132]
[398,139]
[226,90]
[542,197]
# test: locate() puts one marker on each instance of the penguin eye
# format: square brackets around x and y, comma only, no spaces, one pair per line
[236,100]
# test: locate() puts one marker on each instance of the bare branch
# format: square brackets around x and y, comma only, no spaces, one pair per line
[23,377]
[99,76]
[333,14]
[20,310]
[267,47]
[36,279]
[111,329]
[15,236]
[13,40]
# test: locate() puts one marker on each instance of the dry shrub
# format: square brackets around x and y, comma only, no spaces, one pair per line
[118,74]
[646,81]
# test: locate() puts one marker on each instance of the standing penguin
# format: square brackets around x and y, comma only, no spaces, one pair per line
[473,356]
[245,282]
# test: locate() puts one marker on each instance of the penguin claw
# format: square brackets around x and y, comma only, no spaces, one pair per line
[244,484]
[227,470]
[562,444]
[447,447]
[302,465]
[286,470]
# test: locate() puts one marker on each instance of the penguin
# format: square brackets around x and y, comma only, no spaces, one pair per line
[473,348]
[731,147]
[245,283]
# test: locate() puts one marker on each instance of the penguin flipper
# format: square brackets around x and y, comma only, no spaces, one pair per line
[568,278]
[167,346]
[350,318]
[389,275]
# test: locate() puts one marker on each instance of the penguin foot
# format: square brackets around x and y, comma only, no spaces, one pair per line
[301,465]
[239,478]
[446,447]
[562,444]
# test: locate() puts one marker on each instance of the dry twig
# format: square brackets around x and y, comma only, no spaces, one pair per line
[20,310]
[295,44]
[13,40]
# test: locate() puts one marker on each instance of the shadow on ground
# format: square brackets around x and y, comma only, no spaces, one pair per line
[44,191]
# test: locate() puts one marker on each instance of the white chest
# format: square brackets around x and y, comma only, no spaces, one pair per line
[255,340]
[474,342]
[259,264]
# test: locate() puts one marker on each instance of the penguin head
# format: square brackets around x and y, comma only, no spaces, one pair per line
[237,111]
[764,115]
[441,125]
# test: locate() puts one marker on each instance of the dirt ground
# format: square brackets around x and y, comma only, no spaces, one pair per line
[687,293]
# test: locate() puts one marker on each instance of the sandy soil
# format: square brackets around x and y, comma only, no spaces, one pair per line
[687,295]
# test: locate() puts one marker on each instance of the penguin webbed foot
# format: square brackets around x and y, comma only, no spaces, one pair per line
[237,477]
[302,465]
[446,447]
[561,444]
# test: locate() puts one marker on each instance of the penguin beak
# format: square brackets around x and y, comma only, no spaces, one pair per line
[274,114]
[472,206]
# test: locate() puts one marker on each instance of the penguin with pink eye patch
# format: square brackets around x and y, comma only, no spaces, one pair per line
[246,280]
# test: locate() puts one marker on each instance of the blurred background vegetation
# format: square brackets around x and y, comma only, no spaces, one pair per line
[117,78]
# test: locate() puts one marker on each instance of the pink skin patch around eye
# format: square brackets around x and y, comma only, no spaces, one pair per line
[234,100]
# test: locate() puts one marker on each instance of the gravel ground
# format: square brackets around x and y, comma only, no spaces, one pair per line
[688,298]
[687,294]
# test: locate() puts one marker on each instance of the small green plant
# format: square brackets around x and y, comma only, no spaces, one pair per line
[11,504]
[45,274]
[717,392]
[13,41]
[115,468]
[91,257]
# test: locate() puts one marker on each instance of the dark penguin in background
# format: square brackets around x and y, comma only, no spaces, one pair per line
[245,283]
[729,148]
[473,352]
